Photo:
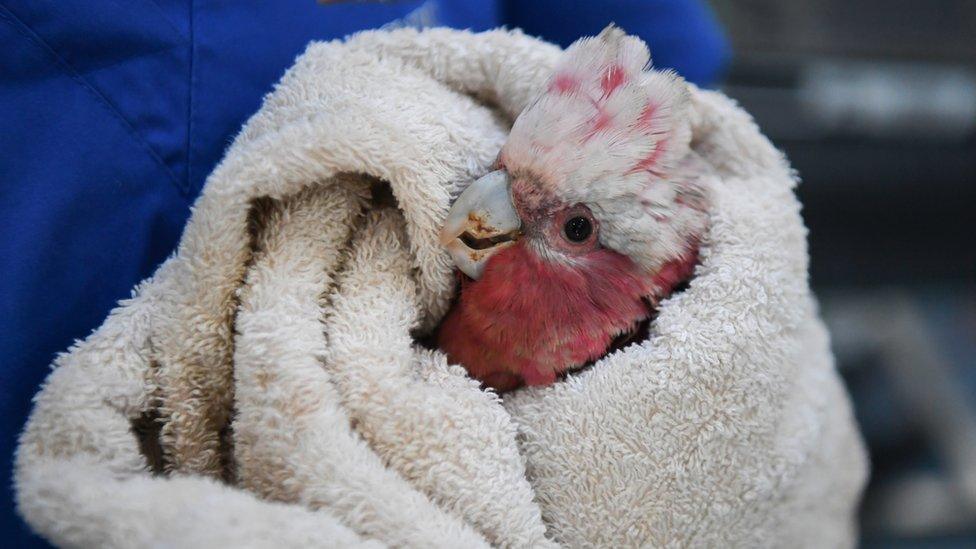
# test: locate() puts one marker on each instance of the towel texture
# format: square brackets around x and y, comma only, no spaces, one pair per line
[267,388]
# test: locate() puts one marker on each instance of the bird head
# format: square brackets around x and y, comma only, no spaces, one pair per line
[591,171]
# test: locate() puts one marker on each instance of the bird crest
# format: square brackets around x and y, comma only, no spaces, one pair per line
[606,123]
[612,133]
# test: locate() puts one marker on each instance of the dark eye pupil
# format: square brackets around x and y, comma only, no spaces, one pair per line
[578,229]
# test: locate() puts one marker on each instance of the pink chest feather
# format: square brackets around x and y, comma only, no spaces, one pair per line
[528,319]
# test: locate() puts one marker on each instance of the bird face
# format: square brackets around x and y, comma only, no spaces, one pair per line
[600,160]
[498,211]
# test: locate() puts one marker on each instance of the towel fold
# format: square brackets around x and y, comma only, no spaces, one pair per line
[267,386]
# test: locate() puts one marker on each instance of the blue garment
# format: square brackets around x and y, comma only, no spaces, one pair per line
[113,114]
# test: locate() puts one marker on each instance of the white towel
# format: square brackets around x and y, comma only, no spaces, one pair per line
[266,387]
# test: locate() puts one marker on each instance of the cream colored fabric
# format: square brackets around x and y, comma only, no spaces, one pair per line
[277,350]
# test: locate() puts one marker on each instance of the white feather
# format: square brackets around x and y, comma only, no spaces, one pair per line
[585,138]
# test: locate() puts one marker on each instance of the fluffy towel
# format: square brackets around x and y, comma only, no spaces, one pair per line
[267,386]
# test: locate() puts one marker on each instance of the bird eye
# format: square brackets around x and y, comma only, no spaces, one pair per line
[578,229]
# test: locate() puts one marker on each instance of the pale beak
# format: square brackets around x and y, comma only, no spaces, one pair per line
[481,222]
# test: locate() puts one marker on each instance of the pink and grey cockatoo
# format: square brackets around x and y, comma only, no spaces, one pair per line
[593,215]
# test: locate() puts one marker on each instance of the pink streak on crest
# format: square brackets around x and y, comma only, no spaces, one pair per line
[613,78]
[646,122]
[564,83]
[646,118]
[649,162]
[600,122]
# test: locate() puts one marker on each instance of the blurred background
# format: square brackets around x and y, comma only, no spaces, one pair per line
[874,102]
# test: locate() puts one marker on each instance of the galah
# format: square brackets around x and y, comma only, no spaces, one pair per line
[592,216]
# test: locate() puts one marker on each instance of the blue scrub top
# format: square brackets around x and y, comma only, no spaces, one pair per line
[113,113]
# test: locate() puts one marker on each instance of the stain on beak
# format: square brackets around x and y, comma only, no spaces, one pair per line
[481,222]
